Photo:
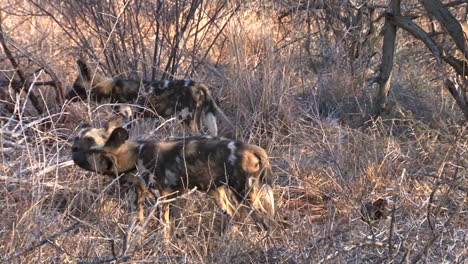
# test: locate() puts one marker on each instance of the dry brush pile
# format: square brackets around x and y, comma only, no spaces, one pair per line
[296,78]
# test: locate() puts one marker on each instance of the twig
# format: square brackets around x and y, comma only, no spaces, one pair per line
[161,199]
[52,185]
[162,125]
[390,235]
[10,133]
[378,244]
[6,150]
[429,207]
[447,181]
[112,245]
[5,99]
[56,167]
[124,104]
[60,165]
[26,182]
[11,144]
[20,73]
[21,130]
[419,255]
[54,82]
[18,84]
[106,260]
[29,93]
[42,242]
[454,3]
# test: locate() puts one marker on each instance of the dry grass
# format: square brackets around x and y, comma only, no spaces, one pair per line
[414,155]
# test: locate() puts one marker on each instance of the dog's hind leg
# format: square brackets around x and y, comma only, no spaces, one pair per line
[166,211]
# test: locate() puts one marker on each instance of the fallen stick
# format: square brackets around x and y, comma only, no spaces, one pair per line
[42,242]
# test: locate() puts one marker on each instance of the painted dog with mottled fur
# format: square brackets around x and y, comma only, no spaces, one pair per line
[236,175]
[90,137]
[189,101]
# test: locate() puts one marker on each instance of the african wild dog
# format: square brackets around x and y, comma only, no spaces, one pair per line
[190,101]
[235,174]
[90,137]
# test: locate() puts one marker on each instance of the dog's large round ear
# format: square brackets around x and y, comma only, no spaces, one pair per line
[114,123]
[117,138]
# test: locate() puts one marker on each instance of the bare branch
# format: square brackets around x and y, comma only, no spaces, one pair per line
[434,237]
[458,91]
[420,34]
[388,51]
[42,242]
[437,9]
[407,24]
[20,73]
[455,3]
[390,235]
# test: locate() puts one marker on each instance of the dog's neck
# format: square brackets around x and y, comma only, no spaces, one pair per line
[105,84]
[125,157]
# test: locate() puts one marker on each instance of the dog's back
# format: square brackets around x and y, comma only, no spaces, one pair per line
[189,101]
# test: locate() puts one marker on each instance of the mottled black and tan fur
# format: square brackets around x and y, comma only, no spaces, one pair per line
[235,174]
[189,101]
[85,157]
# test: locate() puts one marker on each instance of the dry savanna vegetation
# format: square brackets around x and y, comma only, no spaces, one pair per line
[361,105]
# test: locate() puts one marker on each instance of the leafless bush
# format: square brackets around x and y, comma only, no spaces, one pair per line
[293,75]
[142,39]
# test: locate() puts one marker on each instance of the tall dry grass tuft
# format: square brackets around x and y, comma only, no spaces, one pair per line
[292,86]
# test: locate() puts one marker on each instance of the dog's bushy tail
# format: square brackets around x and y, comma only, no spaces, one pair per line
[261,194]
[210,109]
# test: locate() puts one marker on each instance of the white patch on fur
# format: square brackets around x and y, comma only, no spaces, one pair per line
[140,149]
[250,182]
[185,113]
[210,122]
[168,111]
[145,90]
[141,166]
[170,178]
[187,82]
[96,135]
[142,170]
[166,84]
[126,111]
[265,200]
[232,156]
[82,132]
